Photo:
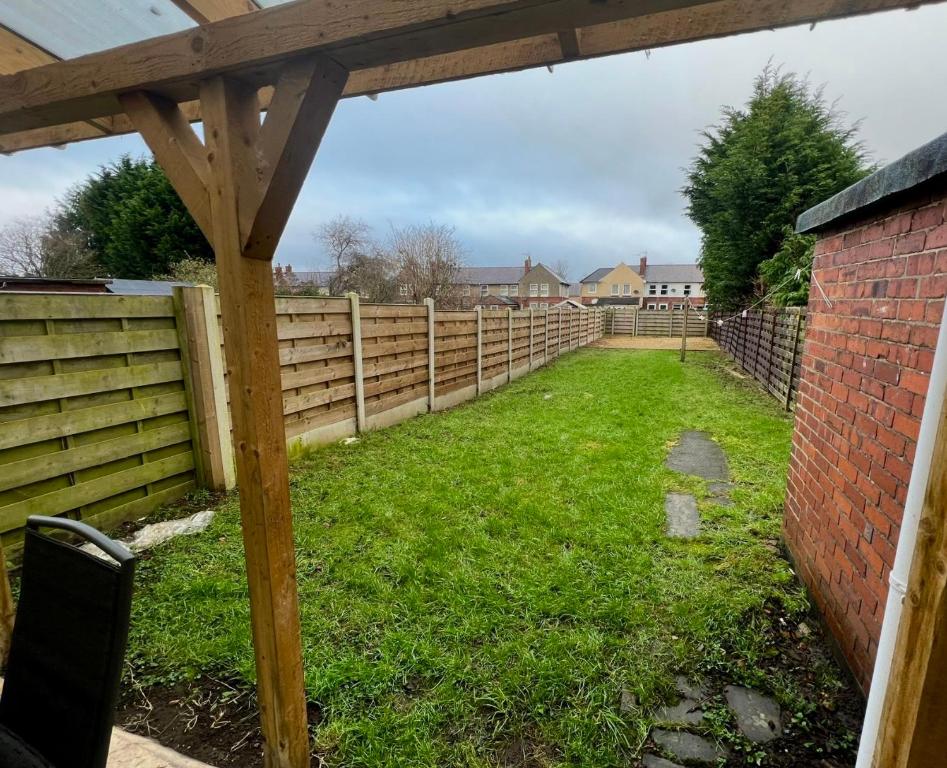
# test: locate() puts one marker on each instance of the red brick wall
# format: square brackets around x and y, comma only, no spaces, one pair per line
[865,370]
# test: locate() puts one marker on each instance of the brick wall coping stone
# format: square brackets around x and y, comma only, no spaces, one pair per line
[924,164]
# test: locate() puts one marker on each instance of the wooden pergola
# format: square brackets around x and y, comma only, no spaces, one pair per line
[296,60]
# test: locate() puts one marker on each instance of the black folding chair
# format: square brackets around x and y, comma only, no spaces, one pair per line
[68,645]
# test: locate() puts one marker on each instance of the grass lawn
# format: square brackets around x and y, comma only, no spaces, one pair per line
[497,574]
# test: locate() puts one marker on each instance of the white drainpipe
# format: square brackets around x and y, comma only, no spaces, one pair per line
[898,579]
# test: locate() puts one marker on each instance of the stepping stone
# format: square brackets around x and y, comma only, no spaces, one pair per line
[696,454]
[687,747]
[653,761]
[690,689]
[687,712]
[683,521]
[759,717]
[628,703]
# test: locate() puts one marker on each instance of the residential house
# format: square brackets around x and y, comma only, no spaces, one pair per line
[474,284]
[497,302]
[650,286]
[613,285]
[540,287]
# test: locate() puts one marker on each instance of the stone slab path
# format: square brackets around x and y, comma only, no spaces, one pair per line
[758,719]
[683,520]
[696,454]
[130,751]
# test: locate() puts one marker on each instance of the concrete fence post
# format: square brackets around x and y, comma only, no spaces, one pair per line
[479,350]
[195,310]
[509,345]
[530,310]
[545,336]
[431,366]
[357,361]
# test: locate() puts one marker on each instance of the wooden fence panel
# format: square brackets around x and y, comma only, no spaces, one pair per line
[455,351]
[767,344]
[394,355]
[495,344]
[93,409]
[521,339]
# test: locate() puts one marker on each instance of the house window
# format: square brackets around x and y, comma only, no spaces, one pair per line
[652,290]
[626,289]
[651,306]
[614,289]
[542,305]
[466,290]
[664,290]
[514,290]
[678,306]
[484,290]
[504,290]
[662,306]
[534,289]
[687,290]
[593,287]
[544,289]
[403,289]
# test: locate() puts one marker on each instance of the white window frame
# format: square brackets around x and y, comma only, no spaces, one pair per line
[504,290]
[466,290]
[592,287]
[652,290]
[615,289]
[403,289]
[652,305]
[662,306]
[626,289]
[664,289]
[544,289]
[678,306]
[534,289]
[484,290]
[687,290]
[514,289]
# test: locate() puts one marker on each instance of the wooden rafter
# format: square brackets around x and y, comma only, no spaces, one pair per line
[17,53]
[207,11]
[417,35]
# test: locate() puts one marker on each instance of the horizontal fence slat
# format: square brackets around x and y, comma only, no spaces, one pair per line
[36,468]
[35,429]
[55,503]
[39,388]
[33,306]
[23,349]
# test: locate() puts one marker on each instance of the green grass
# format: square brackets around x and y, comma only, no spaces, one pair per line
[498,574]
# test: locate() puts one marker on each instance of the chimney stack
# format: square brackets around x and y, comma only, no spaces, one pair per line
[642,267]
[527,265]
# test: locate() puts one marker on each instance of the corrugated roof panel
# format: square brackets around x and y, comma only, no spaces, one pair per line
[79,27]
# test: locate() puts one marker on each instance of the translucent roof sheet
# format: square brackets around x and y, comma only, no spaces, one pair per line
[77,27]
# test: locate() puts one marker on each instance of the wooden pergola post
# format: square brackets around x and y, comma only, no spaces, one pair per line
[912,733]
[240,186]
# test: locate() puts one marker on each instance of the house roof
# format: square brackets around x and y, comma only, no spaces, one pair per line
[540,265]
[597,275]
[673,273]
[505,300]
[489,275]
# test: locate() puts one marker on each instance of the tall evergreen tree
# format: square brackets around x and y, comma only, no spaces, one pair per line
[755,173]
[131,218]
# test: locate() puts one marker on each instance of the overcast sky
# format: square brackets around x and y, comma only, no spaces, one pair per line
[583,164]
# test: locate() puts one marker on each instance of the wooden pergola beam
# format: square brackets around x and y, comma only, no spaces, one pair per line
[708,20]
[379,36]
